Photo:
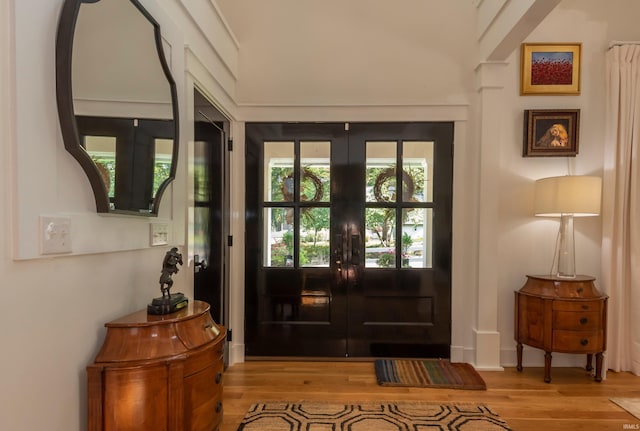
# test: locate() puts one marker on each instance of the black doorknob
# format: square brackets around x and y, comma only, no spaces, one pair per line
[199,264]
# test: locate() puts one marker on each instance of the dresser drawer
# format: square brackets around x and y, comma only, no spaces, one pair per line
[203,397]
[197,331]
[577,341]
[577,321]
[203,358]
[577,305]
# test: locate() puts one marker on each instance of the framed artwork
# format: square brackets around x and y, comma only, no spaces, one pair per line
[551,132]
[550,68]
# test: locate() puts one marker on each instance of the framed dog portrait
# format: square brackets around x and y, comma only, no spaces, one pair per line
[551,68]
[551,132]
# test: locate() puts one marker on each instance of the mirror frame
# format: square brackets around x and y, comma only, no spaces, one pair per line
[66,112]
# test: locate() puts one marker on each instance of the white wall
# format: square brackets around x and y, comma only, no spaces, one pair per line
[38,147]
[53,309]
[359,52]
[526,243]
[350,61]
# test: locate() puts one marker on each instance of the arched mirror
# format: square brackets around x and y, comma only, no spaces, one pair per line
[117,102]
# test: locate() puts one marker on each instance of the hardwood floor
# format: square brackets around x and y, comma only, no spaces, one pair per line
[572,401]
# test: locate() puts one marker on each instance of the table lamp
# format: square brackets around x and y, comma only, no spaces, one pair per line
[567,197]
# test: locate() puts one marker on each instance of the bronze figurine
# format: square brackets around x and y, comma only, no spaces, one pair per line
[168,303]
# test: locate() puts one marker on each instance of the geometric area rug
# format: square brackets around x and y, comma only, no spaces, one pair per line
[632,405]
[370,416]
[428,373]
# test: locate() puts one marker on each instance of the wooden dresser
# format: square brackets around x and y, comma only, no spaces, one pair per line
[565,315]
[158,373]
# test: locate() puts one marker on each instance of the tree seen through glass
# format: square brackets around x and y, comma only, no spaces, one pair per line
[314,224]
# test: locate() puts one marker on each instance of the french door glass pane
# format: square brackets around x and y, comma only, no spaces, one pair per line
[278,240]
[417,164]
[380,247]
[314,237]
[278,171]
[315,159]
[102,150]
[381,171]
[417,238]
[201,233]
[201,173]
[161,162]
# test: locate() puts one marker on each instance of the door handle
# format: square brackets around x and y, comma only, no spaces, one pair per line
[338,251]
[199,264]
[355,249]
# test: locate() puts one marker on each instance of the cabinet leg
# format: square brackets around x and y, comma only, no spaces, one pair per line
[519,353]
[598,377]
[547,367]
[589,367]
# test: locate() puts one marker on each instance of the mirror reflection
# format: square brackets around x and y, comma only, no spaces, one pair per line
[123,102]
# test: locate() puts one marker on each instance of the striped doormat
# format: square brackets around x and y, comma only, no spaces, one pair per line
[428,373]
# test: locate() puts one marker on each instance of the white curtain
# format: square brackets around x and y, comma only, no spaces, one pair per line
[621,208]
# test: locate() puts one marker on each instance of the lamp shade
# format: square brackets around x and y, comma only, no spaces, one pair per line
[577,195]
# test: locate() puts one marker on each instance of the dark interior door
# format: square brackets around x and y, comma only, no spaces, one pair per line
[210,218]
[346,254]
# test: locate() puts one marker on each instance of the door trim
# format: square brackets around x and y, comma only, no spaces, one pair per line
[465,204]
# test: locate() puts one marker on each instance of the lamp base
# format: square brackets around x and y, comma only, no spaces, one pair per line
[565,250]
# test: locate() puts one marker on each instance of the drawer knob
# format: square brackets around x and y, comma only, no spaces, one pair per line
[584,321]
[580,289]
[585,307]
[584,342]
[218,377]
[218,406]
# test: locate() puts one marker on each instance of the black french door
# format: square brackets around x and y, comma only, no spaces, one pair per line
[348,239]
[133,156]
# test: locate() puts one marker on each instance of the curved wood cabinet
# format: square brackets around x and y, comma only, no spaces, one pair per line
[158,373]
[566,315]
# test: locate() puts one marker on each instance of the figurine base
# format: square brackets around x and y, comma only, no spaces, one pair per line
[164,305]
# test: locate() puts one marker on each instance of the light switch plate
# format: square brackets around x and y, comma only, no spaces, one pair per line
[55,235]
[159,234]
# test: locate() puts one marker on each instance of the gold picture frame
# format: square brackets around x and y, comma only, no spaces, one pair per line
[550,68]
[551,132]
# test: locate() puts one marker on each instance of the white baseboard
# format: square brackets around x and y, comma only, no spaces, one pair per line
[457,354]
[236,353]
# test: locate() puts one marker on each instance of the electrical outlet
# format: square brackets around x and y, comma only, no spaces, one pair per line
[159,233]
[55,235]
